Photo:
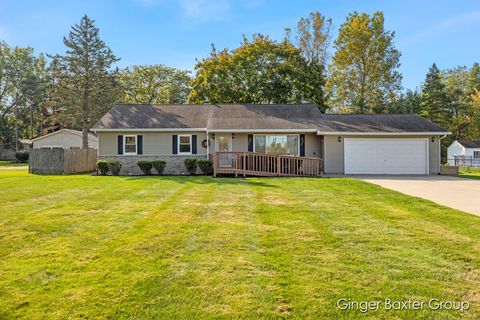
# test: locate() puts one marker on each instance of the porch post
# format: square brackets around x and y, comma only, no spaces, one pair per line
[208,148]
[244,164]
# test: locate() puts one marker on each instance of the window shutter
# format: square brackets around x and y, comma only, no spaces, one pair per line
[250,142]
[140,144]
[174,144]
[194,144]
[120,144]
[302,145]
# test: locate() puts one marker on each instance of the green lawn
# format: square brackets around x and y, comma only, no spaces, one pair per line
[13,163]
[465,172]
[197,247]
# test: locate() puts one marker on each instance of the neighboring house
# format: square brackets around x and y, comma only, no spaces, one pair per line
[64,138]
[348,144]
[464,152]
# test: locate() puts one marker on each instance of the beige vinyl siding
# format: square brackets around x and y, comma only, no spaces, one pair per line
[154,143]
[334,153]
[434,155]
[63,139]
[240,143]
[313,145]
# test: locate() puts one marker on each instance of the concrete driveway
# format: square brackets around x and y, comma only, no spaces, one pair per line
[458,193]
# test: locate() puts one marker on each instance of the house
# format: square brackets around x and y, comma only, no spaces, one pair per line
[347,144]
[64,138]
[464,152]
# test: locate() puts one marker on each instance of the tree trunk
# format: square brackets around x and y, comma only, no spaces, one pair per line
[85,120]
[31,121]
[16,128]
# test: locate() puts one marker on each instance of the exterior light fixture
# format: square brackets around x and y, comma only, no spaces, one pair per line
[233,136]
[433,139]
[339,139]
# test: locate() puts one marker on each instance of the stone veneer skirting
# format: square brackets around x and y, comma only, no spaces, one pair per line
[174,164]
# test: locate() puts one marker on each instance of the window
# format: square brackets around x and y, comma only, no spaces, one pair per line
[277,144]
[184,144]
[476,154]
[130,144]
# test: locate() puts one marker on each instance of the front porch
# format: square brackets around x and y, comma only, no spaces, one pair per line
[263,164]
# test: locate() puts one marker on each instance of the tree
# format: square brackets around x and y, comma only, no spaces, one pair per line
[17,71]
[473,82]
[406,102]
[435,101]
[154,84]
[34,92]
[363,73]
[58,99]
[87,76]
[456,81]
[313,38]
[259,71]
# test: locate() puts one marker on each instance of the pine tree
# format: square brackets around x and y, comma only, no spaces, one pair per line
[434,99]
[87,75]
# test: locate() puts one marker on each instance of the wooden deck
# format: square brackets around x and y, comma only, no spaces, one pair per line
[262,164]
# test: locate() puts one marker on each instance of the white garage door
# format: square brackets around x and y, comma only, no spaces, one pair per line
[386,156]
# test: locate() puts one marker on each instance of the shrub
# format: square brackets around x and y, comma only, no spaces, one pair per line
[145,166]
[159,165]
[114,167]
[22,156]
[102,167]
[190,165]
[206,166]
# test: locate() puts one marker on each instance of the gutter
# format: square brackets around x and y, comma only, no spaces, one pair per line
[356,133]
[318,132]
[205,130]
[148,130]
[264,130]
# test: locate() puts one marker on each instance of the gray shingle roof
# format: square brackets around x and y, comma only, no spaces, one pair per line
[401,123]
[148,116]
[263,116]
[470,143]
[257,116]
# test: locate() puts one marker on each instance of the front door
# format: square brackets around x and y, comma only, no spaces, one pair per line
[224,142]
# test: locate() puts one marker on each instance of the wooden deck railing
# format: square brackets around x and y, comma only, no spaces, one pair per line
[262,164]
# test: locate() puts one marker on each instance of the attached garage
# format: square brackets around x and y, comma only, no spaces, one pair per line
[386,156]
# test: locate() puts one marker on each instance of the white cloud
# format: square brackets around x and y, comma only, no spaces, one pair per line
[195,11]
[436,29]
[205,10]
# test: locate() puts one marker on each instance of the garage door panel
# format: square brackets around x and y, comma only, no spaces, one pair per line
[386,156]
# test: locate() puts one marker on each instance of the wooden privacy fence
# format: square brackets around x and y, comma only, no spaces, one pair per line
[262,164]
[62,161]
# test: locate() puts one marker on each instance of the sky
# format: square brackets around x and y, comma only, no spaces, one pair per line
[177,32]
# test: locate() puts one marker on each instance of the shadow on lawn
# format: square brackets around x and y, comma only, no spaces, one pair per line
[203,180]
